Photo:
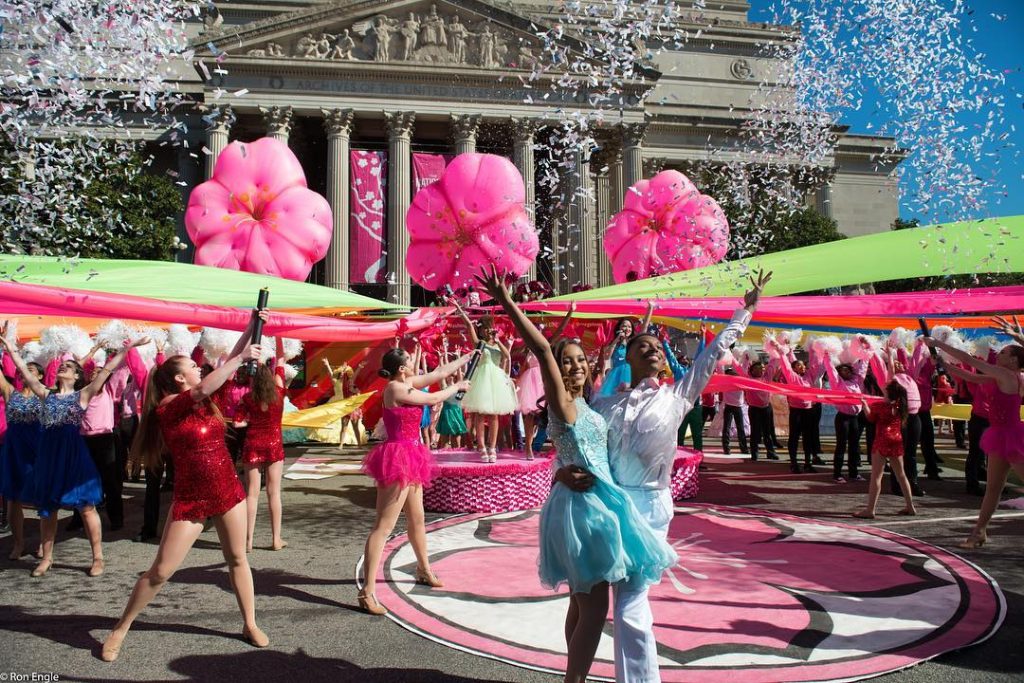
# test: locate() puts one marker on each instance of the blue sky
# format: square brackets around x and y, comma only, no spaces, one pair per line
[1002,42]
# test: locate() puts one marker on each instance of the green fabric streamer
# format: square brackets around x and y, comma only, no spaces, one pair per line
[172,281]
[993,245]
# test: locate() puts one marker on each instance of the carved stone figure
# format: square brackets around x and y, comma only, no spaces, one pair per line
[274,50]
[324,45]
[487,52]
[306,46]
[433,31]
[381,30]
[410,31]
[343,46]
[457,33]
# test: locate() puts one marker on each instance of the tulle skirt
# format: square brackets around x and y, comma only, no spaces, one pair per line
[17,460]
[616,377]
[451,422]
[1006,441]
[595,536]
[531,390]
[399,462]
[64,474]
[491,393]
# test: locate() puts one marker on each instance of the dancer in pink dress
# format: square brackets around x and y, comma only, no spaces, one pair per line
[401,465]
[1003,441]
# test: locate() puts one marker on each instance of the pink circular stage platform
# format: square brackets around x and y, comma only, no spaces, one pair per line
[464,484]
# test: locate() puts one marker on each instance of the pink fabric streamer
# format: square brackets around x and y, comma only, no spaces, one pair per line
[721,383]
[367,220]
[427,168]
[22,299]
[940,302]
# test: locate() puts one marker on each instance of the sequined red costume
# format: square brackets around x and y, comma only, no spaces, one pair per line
[263,443]
[888,430]
[205,483]
[402,459]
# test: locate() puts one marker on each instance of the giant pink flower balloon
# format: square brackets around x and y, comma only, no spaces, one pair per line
[473,216]
[666,225]
[256,213]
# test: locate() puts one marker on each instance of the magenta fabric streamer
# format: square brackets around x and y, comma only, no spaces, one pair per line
[909,304]
[721,383]
[367,219]
[17,298]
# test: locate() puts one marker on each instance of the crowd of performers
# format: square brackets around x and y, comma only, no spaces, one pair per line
[614,415]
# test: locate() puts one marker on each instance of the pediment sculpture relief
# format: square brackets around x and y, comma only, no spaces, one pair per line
[427,37]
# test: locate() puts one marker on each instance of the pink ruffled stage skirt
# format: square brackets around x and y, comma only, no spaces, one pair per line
[399,462]
[1006,441]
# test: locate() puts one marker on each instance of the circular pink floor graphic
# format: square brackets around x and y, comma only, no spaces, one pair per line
[755,597]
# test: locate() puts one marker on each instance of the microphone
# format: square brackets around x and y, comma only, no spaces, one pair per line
[471,369]
[939,365]
[257,328]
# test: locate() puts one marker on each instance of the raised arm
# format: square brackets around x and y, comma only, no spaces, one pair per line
[400,392]
[560,330]
[466,321]
[1014,330]
[690,388]
[830,371]
[216,379]
[971,377]
[678,371]
[30,379]
[880,368]
[103,374]
[1008,379]
[243,341]
[562,405]
[439,373]
[646,323]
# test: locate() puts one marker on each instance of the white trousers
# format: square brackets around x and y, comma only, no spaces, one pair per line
[636,650]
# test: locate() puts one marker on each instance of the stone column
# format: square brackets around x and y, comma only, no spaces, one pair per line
[338,124]
[633,153]
[616,180]
[580,241]
[523,131]
[600,163]
[399,125]
[464,127]
[278,121]
[219,125]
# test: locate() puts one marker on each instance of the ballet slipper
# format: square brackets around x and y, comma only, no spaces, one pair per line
[42,568]
[112,646]
[255,637]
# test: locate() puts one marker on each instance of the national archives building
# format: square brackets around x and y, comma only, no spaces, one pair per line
[374,97]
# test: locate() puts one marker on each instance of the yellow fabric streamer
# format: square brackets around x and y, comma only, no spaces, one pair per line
[326,414]
[956,411]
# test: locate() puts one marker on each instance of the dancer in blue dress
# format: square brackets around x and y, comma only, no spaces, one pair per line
[619,374]
[18,456]
[587,541]
[64,475]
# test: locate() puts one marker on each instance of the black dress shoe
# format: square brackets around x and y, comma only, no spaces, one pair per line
[916,490]
[772,456]
[934,476]
[794,468]
[143,536]
[818,461]
[808,467]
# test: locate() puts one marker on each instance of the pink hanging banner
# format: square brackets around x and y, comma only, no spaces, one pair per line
[427,168]
[367,220]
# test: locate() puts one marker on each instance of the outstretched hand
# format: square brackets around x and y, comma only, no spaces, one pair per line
[751,298]
[493,283]
[1013,329]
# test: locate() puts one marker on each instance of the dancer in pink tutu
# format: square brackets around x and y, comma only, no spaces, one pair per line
[531,386]
[401,465]
[1003,441]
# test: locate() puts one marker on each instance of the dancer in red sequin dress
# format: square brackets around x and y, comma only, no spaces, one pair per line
[889,419]
[401,465]
[1003,441]
[264,448]
[180,418]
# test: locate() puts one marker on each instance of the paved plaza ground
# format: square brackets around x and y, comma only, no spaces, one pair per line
[306,595]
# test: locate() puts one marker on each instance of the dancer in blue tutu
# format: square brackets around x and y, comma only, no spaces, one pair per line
[618,373]
[18,455]
[64,475]
[593,539]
